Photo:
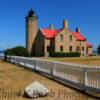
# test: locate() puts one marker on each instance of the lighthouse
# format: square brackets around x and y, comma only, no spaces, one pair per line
[31,30]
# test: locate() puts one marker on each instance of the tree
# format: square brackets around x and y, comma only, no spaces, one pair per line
[16,51]
[7,52]
[98,49]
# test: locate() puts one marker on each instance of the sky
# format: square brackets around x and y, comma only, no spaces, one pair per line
[84,14]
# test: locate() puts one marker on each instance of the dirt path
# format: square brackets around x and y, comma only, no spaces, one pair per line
[14,79]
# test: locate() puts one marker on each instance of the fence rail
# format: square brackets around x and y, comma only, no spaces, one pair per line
[1,56]
[83,78]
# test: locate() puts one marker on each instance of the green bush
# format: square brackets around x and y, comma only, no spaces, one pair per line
[17,51]
[98,49]
[66,54]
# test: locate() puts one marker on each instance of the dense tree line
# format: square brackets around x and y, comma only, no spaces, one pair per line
[16,51]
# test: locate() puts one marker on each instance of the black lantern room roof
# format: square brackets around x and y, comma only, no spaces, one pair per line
[31,13]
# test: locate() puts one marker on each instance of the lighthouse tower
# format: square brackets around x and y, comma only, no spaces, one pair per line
[31,30]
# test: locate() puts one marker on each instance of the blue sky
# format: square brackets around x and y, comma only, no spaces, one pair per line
[84,14]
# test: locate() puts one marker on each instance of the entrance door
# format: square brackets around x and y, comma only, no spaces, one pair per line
[48,50]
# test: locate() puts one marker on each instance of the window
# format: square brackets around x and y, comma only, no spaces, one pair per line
[61,48]
[70,38]
[70,48]
[87,50]
[61,37]
[77,49]
[82,48]
[48,48]
[31,23]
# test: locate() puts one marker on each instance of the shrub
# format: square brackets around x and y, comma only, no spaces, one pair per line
[16,51]
[66,54]
[98,49]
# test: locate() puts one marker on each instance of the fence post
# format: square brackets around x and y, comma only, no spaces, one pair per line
[25,61]
[86,77]
[36,66]
[54,65]
[52,70]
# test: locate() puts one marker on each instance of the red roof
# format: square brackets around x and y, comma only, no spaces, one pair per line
[88,45]
[49,33]
[78,36]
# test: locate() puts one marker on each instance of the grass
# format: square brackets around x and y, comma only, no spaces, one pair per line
[14,79]
[95,60]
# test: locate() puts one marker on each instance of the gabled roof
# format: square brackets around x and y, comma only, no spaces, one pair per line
[78,36]
[49,33]
[88,45]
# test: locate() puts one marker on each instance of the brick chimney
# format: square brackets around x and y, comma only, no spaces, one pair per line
[78,29]
[65,24]
[51,27]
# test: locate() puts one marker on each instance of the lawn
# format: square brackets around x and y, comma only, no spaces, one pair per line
[80,60]
[14,79]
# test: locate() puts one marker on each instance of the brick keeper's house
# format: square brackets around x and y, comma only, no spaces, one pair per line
[45,41]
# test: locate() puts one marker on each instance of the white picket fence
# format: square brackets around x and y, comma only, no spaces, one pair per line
[1,56]
[81,77]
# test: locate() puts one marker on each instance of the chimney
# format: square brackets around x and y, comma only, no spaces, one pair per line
[51,27]
[78,29]
[65,24]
